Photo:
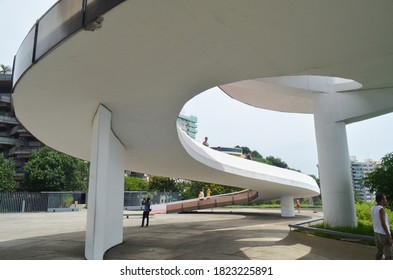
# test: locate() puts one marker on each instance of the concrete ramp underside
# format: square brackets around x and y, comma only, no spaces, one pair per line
[143,62]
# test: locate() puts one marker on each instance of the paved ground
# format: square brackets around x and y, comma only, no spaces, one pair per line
[220,234]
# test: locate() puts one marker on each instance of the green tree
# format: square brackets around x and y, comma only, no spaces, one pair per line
[5,69]
[135,184]
[260,159]
[49,170]
[191,189]
[381,180]
[277,162]
[7,169]
[246,150]
[163,184]
[256,156]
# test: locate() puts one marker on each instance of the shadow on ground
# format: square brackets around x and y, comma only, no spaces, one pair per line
[196,236]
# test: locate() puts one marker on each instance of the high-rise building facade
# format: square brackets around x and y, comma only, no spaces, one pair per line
[16,143]
[188,124]
[359,172]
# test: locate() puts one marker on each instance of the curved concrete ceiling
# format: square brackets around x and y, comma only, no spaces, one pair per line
[292,94]
[151,57]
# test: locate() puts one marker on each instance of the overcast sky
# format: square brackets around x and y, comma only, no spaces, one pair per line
[225,121]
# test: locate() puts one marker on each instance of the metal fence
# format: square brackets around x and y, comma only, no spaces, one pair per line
[133,199]
[14,202]
[23,202]
[65,201]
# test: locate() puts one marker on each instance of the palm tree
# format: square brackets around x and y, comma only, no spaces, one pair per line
[5,69]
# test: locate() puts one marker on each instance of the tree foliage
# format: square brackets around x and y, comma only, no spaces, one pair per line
[191,189]
[256,156]
[164,184]
[277,162]
[135,184]
[49,170]
[381,180]
[7,169]
[5,69]
[188,189]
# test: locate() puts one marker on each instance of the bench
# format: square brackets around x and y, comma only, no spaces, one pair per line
[127,215]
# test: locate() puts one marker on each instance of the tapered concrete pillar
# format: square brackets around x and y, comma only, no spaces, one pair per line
[287,206]
[333,159]
[104,228]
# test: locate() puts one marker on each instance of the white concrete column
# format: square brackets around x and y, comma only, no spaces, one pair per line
[104,227]
[287,206]
[333,160]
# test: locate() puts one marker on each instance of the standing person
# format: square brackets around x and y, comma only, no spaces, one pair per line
[205,142]
[146,211]
[249,156]
[383,239]
[208,192]
[201,195]
[298,205]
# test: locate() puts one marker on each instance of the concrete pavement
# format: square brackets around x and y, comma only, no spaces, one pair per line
[218,234]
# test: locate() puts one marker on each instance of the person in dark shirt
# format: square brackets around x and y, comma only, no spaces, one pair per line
[146,211]
[205,142]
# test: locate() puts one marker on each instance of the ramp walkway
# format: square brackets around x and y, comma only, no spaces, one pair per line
[237,198]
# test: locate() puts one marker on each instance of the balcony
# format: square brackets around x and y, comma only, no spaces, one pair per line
[8,120]
[10,141]
[5,98]
[22,152]
[20,131]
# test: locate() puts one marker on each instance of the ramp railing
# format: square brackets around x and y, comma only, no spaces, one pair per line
[241,197]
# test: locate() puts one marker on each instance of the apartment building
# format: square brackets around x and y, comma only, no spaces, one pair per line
[188,124]
[16,143]
[359,171]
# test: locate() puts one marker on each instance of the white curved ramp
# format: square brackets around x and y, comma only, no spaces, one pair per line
[268,180]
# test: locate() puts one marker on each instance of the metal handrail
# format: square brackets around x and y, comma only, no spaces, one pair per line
[300,226]
[244,196]
[51,29]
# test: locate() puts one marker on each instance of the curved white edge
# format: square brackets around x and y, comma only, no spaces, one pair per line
[286,93]
[247,168]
